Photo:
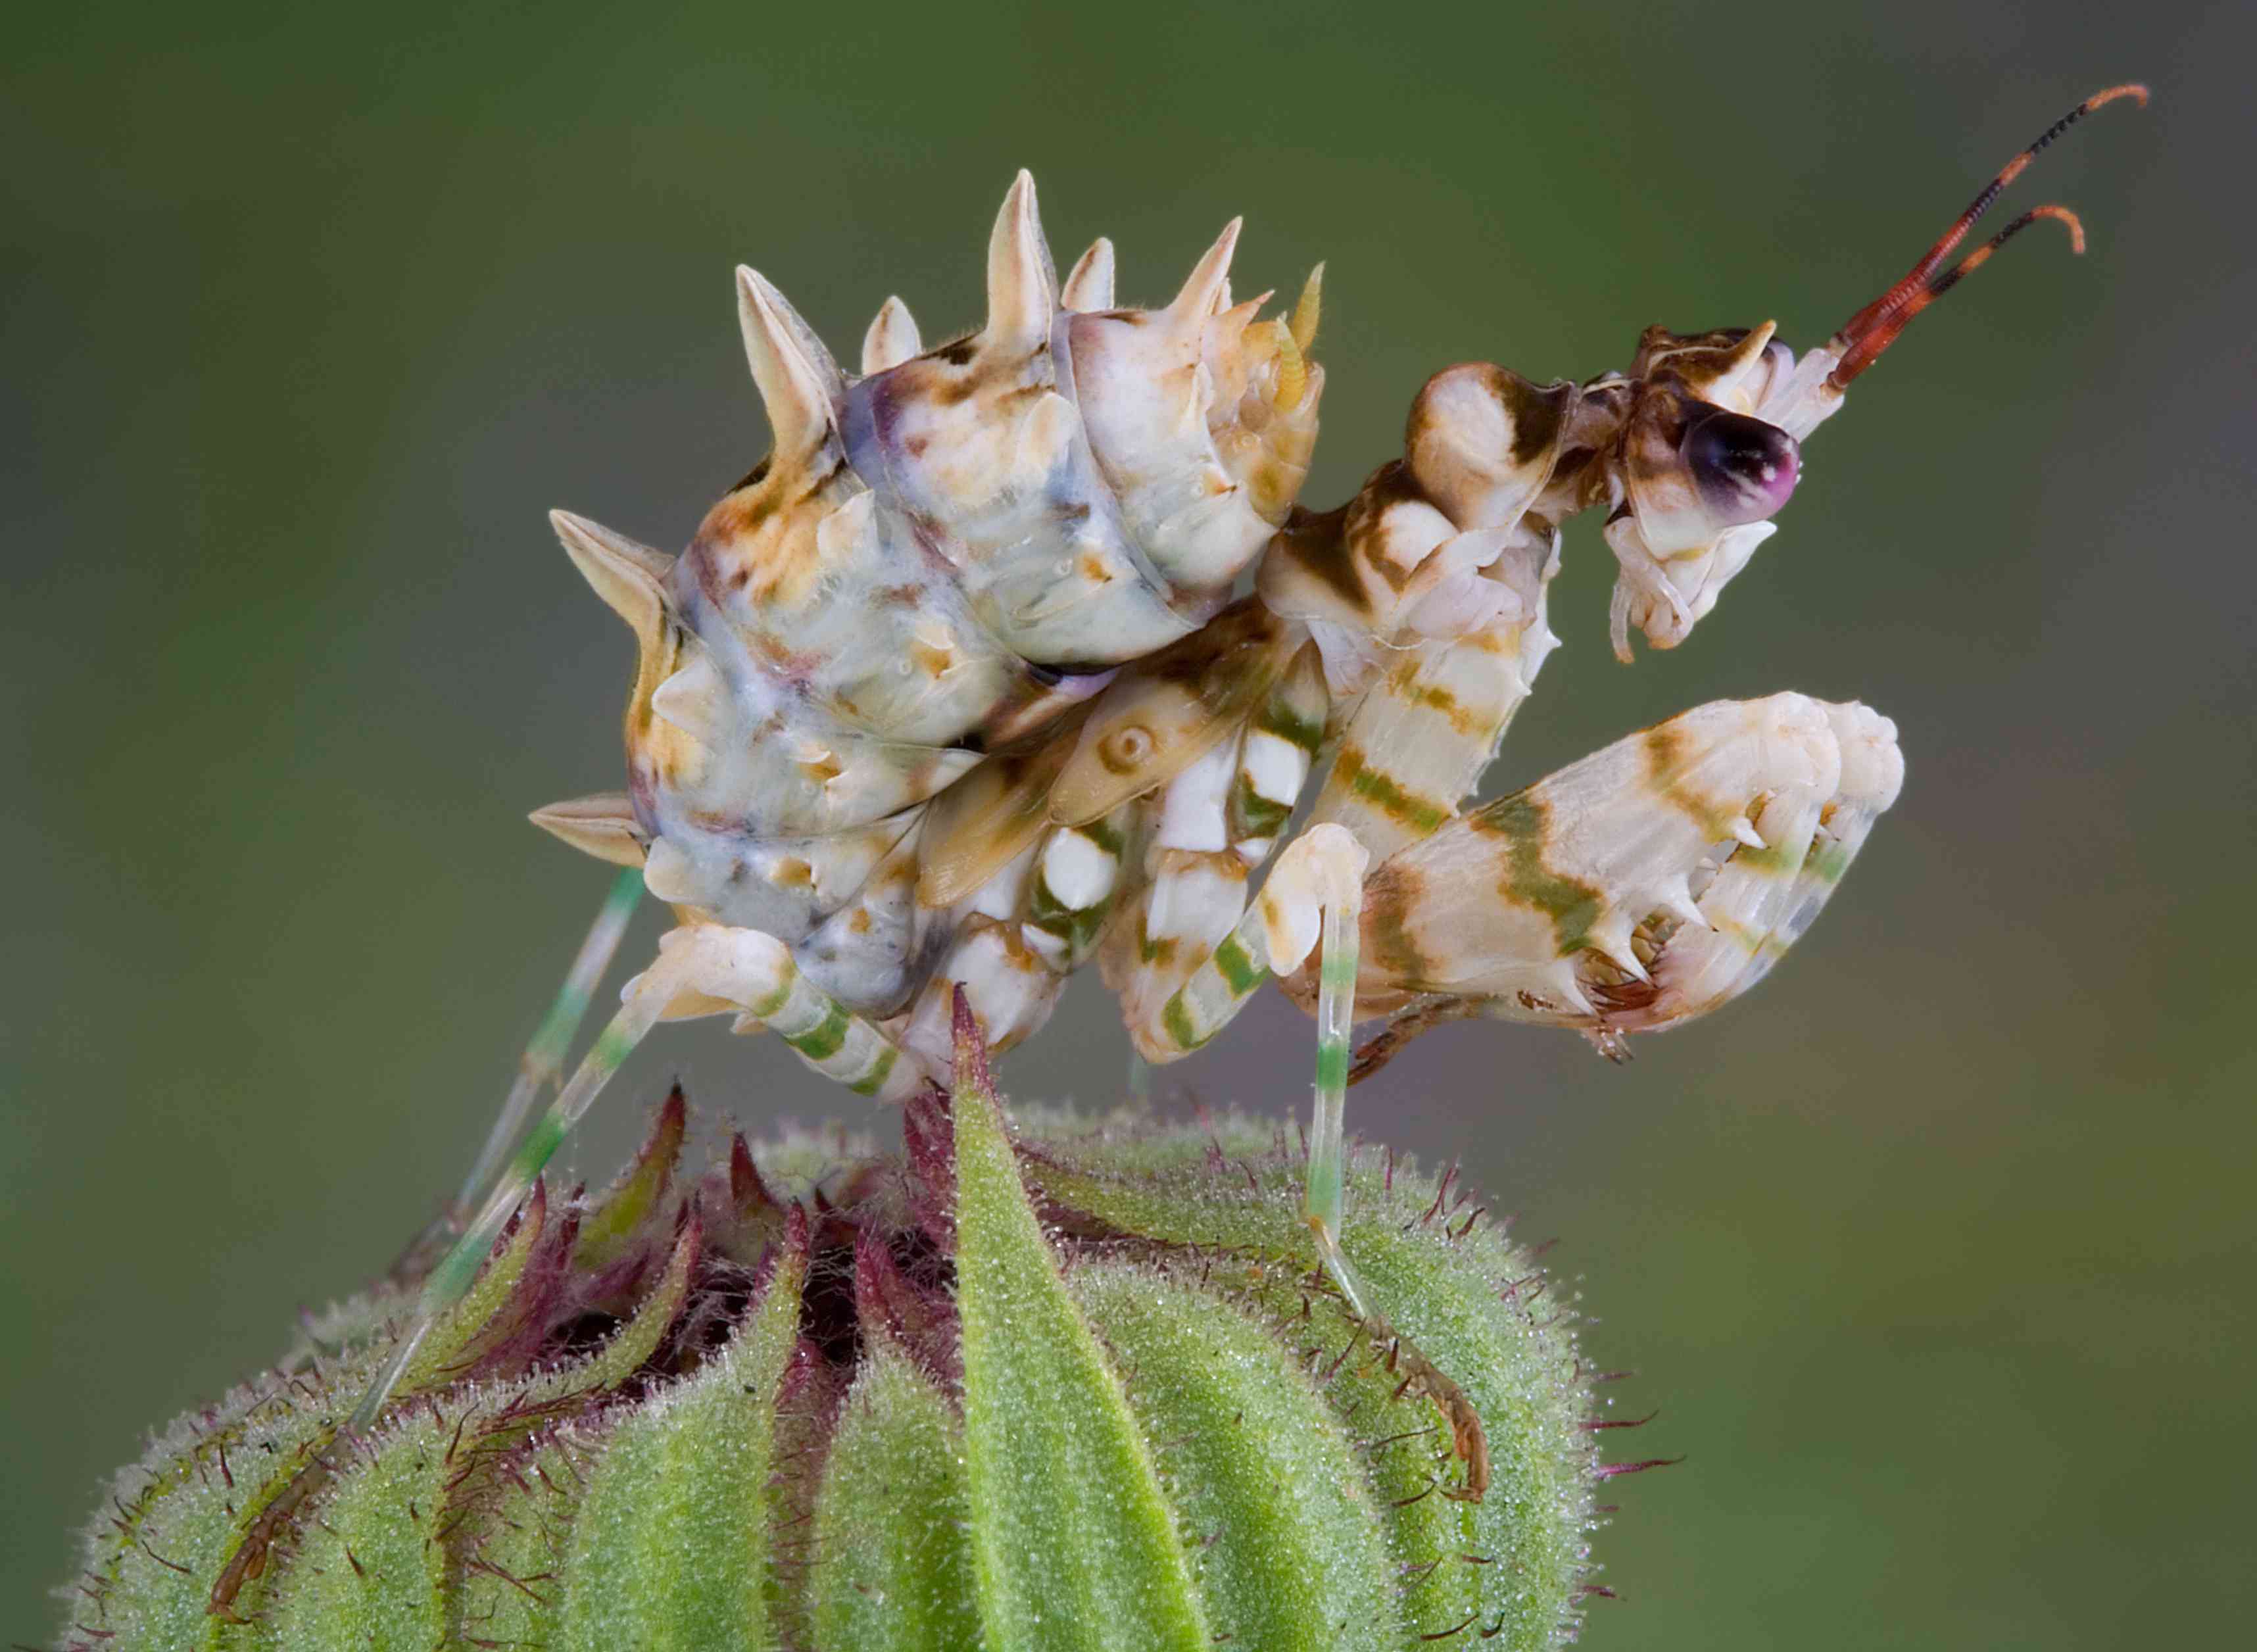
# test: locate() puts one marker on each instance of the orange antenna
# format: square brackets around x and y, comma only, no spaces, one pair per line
[1865,334]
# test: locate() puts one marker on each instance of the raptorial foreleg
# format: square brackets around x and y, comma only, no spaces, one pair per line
[1644,886]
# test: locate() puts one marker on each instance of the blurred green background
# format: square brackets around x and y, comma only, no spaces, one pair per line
[1935,1252]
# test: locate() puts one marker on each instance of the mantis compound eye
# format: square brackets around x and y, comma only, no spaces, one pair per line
[1743,469]
[1699,486]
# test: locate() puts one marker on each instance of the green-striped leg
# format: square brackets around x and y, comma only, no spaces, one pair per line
[1321,872]
[1217,989]
[1322,1201]
[728,969]
[1314,893]
[646,1001]
[1325,1195]
[542,1063]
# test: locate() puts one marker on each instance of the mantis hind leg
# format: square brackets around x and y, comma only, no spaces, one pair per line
[701,969]
[1325,1195]
[541,1066]
[542,1063]
[451,1279]
[1313,899]
[1324,1198]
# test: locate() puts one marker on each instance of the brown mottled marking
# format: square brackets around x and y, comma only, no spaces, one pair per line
[1538,411]
[976,371]
[1440,701]
[1385,793]
[651,672]
[1391,485]
[1391,895]
[1704,354]
[1665,748]
[1314,543]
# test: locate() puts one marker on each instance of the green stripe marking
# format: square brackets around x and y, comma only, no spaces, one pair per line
[822,1042]
[1773,858]
[554,1041]
[1237,966]
[1279,718]
[1828,863]
[451,1281]
[1106,833]
[1077,926]
[869,1083]
[613,1044]
[1386,926]
[1525,822]
[1414,812]
[1254,815]
[1176,1018]
[539,1147]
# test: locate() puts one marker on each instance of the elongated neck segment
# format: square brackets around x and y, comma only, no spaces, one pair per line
[1416,554]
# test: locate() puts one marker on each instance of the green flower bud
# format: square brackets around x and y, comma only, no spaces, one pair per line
[1061,1383]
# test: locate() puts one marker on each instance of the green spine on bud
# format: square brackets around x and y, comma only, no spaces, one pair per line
[1074,1385]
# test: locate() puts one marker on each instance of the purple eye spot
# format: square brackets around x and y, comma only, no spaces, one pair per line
[1745,470]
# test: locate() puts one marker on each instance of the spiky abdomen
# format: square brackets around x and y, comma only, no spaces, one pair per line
[944,553]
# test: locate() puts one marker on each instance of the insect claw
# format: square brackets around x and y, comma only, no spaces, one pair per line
[1677,901]
[1606,1041]
[1089,285]
[1611,940]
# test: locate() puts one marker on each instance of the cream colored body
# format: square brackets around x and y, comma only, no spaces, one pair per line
[946,694]
[949,695]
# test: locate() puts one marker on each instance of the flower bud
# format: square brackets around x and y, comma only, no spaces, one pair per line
[1063,1383]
